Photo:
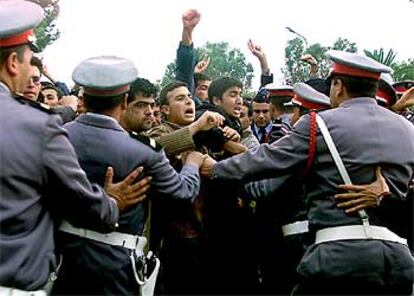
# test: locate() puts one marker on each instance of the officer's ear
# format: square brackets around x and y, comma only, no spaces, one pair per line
[337,87]
[12,63]
[124,103]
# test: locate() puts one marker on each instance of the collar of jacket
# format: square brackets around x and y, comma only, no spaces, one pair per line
[100,120]
[358,101]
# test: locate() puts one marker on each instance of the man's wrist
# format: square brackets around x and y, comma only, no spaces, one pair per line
[194,128]
[187,38]
[397,108]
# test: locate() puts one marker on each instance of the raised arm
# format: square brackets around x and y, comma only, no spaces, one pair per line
[258,52]
[185,61]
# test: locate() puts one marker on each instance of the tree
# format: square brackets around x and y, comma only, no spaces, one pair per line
[225,61]
[294,71]
[401,70]
[297,71]
[47,32]
[404,70]
[379,56]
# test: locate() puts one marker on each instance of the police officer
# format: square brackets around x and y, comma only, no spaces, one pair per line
[284,224]
[98,263]
[278,96]
[352,254]
[40,176]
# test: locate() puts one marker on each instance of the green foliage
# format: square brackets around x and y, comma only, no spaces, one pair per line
[225,61]
[297,71]
[169,74]
[404,70]
[294,71]
[344,45]
[401,70]
[46,32]
[379,56]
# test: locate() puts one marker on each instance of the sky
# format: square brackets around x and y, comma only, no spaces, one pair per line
[148,31]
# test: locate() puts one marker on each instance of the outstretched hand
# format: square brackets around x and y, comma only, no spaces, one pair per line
[209,119]
[309,59]
[202,65]
[230,134]
[406,100]
[127,192]
[255,49]
[206,169]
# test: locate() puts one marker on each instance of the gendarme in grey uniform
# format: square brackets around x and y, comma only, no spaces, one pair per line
[40,178]
[366,135]
[91,266]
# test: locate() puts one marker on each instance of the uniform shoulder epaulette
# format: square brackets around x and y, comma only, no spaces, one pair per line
[40,106]
[146,140]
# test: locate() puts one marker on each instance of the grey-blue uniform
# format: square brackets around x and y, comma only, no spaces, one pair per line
[288,208]
[91,266]
[366,135]
[40,175]
[267,224]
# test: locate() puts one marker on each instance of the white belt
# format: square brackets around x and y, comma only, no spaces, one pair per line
[295,228]
[357,232]
[16,292]
[129,241]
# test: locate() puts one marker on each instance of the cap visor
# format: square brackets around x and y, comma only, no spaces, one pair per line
[289,104]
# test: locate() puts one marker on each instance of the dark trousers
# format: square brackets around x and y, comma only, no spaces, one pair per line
[349,286]
[181,267]
[77,278]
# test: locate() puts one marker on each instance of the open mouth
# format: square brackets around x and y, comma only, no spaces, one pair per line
[189,112]
[237,110]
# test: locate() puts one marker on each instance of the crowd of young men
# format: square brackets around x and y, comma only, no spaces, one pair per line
[307,189]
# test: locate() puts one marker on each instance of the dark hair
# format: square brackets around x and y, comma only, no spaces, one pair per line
[198,77]
[219,86]
[247,97]
[100,104]
[48,85]
[279,102]
[320,85]
[35,61]
[75,90]
[357,86]
[6,51]
[262,96]
[249,108]
[166,89]
[143,86]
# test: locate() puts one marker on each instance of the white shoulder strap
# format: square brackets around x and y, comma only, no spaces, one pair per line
[340,165]
[332,148]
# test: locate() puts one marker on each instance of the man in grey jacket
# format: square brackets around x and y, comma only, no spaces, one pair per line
[103,264]
[41,180]
[347,257]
